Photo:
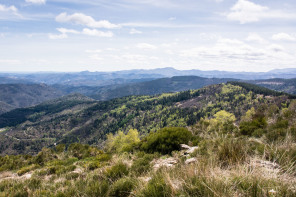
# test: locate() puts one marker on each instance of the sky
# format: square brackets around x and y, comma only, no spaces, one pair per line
[110,35]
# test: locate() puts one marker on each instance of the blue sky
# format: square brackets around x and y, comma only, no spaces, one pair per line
[105,35]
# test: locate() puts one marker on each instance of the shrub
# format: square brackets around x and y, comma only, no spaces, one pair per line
[72,176]
[103,157]
[157,187]
[96,188]
[79,150]
[232,151]
[248,128]
[26,169]
[93,165]
[21,193]
[34,184]
[142,164]
[203,186]
[276,134]
[60,148]
[117,171]
[166,140]
[44,156]
[121,142]
[122,187]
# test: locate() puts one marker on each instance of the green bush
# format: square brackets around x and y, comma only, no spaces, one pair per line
[157,187]
[142,164]
[79,150]
[97,188]
[248,128]
[121,142]
[26,169]
[60,148]
[166,140]
[103,157]
[93,165]
[276,135]
[34,183]
[232,151]
[21,193]
[44,156]
[203,186]
[117,171]
[122,187]
[72,176]
[59,169]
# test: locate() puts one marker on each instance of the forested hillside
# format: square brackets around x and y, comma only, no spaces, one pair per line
[78,119]
[25,95]
[159,86]
[282,85]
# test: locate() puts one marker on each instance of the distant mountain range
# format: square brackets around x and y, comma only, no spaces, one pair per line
[24,95]
[130,76]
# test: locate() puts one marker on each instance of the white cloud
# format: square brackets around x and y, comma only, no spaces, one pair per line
[82,19]
[146,46]
[65,31]
[238,55]
[9,12]
[134,31]
[94,32]
[4,8]
[226,49]
[57,36]
[253,37]
[85,31]
[246,11]
[94,51]
[275,48]
[9,61]
[63,34]
[283,37]
[96,57]
[36,1]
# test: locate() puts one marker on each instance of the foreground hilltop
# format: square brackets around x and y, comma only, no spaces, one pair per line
[80,119]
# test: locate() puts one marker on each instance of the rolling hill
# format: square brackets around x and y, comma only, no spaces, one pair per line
[24,95]
[282,85]
[76,118]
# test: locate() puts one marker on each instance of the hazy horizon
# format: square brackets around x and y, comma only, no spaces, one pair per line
[102,35]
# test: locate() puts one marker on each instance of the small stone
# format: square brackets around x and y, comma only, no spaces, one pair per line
[191,149]
[169,162]
[272,191]
[189,161]
[185,147]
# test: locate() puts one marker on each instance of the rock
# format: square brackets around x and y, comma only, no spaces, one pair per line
[185,147]
[191,150]
[189,161]
[26,176]
[188,149]
[145,179]
[168,162]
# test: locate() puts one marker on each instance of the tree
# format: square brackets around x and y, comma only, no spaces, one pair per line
[223,122]
[121,142]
